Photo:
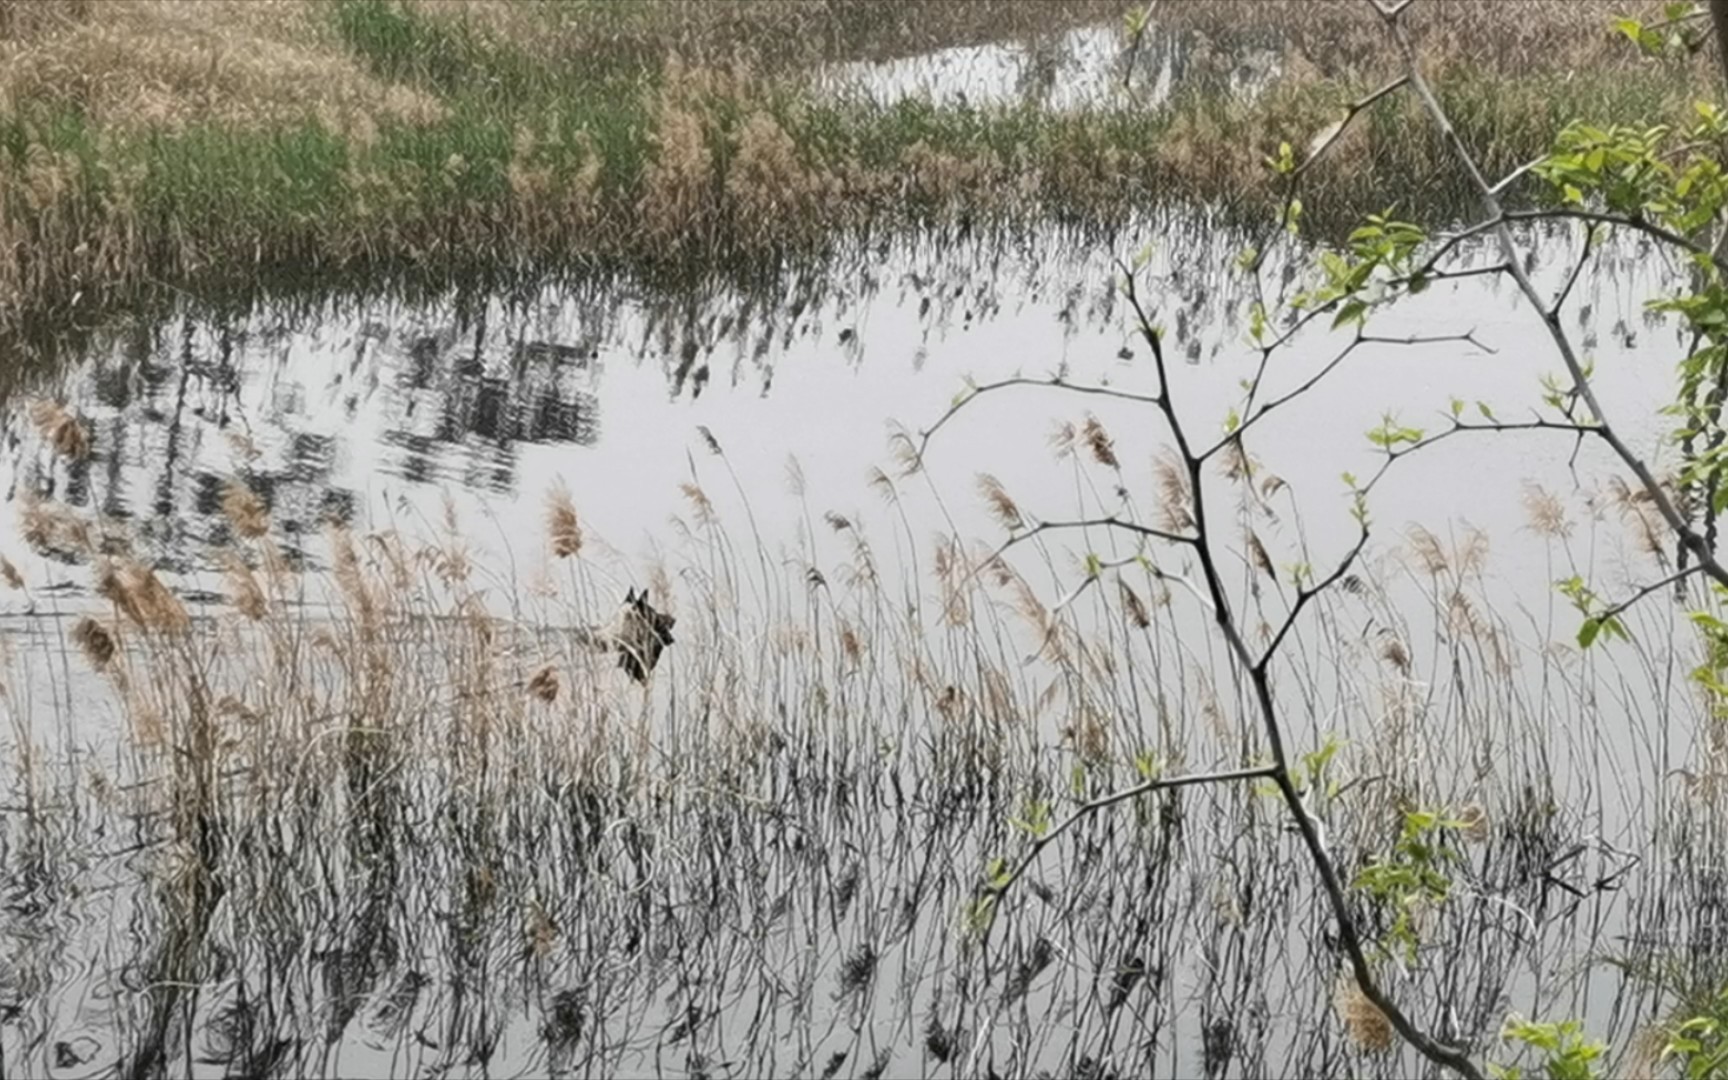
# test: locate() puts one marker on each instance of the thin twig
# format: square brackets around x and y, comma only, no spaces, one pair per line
[1672,579]
[1001,886]
[1052,383]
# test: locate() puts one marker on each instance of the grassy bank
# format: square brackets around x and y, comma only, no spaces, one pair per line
[160,141]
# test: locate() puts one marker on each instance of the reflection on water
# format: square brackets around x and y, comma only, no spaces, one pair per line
[165,401]
[463,407]
[367,409]
[320,411]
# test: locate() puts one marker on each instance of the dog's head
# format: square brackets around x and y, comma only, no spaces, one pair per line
[644,633]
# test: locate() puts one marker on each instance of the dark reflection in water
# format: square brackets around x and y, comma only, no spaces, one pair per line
[465,401]
[308,399]
[311,397]
[786,911]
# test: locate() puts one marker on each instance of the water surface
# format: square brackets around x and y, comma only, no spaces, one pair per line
[798,901]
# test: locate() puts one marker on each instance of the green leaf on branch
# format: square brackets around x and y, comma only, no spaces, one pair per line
[1389,435]
[1353,311]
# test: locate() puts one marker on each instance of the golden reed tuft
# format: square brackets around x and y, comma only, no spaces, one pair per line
[60,429]
[1367,1025]
[136,592]
[244,510]
[562,525]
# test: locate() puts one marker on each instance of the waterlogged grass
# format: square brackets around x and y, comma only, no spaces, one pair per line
[390,815]
[465,134]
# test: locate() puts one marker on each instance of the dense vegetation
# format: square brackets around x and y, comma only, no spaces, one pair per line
[146,141]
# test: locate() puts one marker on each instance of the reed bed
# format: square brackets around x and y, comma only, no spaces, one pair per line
[386,811]
[217,142]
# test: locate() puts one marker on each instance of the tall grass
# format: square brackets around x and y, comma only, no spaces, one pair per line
[396,806]
[366,134]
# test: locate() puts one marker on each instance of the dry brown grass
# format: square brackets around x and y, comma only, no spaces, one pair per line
[1344,38]
[773,33]
[168,63]
[660,131]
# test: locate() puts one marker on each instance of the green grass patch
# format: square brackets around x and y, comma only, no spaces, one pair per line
[559,151]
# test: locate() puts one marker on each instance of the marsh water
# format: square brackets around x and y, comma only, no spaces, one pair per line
[786,880]
[844,959]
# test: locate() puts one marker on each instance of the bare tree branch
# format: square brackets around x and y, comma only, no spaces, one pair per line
[1053,383]
[1330,366]
[1498,220]
[1623,606]
[1001,886]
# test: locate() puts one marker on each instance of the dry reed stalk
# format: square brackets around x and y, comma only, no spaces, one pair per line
[244,591]
[1063,438]
[351,580]
[136,592]
[544,685]
[1474,822]
[1174,506]
[700,507]
[676,205]
[49,528]
[1235,462]
[1258,557]
[1088,736]
[766,182]
[1545,512]
[1393,652]
[851,646]
[1133,605]
[1099,442]
[950,566]
[1429,552]
[1637,509]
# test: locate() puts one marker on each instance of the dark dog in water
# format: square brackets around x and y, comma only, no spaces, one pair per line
[639,635]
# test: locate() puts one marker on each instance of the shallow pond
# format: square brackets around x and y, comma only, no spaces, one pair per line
[782,877]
